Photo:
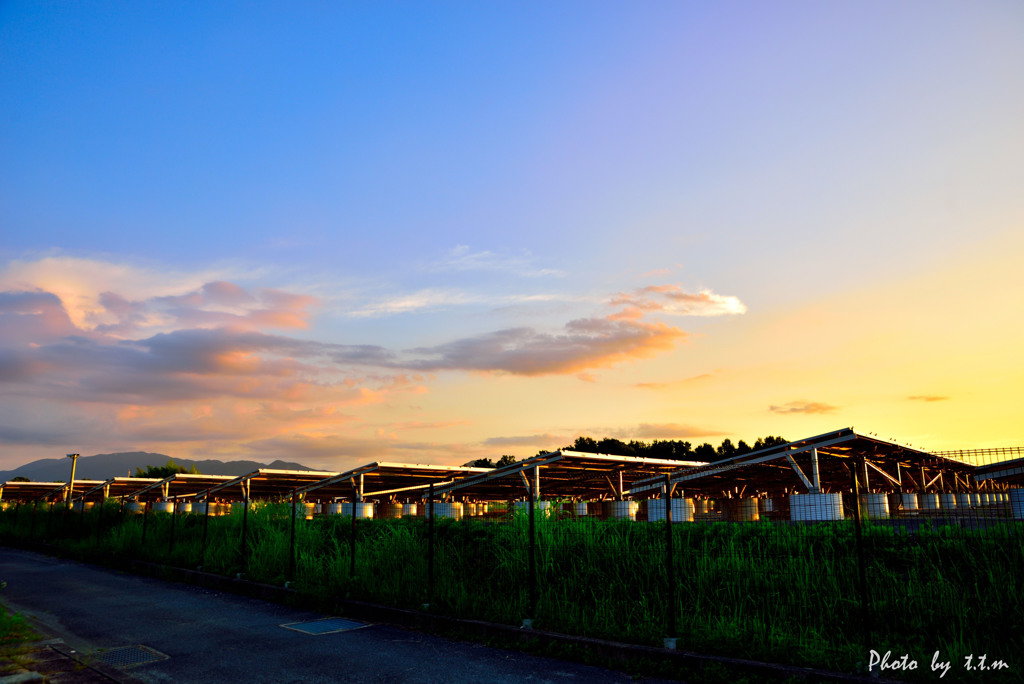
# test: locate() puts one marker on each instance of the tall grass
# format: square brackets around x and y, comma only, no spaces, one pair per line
[768,591]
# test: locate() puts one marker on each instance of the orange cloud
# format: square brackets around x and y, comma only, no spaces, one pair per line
[673,300]
[804,407]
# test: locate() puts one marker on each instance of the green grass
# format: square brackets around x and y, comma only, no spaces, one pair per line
[766,591]
[15,632]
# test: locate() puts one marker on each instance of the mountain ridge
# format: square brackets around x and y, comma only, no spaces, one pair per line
[120,464]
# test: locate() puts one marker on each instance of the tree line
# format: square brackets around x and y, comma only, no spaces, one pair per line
[669,449]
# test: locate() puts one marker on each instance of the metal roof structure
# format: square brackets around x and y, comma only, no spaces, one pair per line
[115,487]
[265,483]
[821,463]
[1003,472]
[30,491]
[177,486]
[386,480]
[563,473]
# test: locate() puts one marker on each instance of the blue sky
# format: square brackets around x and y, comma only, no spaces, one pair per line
[432,176]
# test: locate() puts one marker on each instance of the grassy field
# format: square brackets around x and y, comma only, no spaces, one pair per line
[785,593]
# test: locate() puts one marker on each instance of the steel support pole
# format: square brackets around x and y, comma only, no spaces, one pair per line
[32,527]
[291,541]
[862,576]
[145,521]
[17,512]
[49,520]
[669,560]
[430,545]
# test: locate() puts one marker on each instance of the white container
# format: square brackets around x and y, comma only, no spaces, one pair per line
[743,510]
[77,506]
[332,509]
[963,500]
[682,510]
[703,506]
[444,509]
[388,511]
[469,509]
[947,500]
[766,505]
[523,507]
[135,507]
[909,501]
[581,508]
[184,507]
[1016,497]
[816,506]
[364,510]
[199,507]
[409,509]
[929,502]
[621,510]
[875,506]
[482,508]
[163,507]
[975,499]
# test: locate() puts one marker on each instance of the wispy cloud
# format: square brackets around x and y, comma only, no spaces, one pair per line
[804,407]
[584,344]
[678,383]
[928,397]
[462,258]
[542,440]
[673,300]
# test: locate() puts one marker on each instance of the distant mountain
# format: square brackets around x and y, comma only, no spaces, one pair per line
[106,466]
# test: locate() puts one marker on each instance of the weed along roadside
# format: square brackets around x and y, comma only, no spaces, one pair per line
[773,593]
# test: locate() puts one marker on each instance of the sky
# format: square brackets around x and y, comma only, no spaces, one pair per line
[339,233]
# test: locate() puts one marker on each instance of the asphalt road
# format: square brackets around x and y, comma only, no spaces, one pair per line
[211,636]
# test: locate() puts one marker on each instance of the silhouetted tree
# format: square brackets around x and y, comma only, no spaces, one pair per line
[505,460]
[160,472]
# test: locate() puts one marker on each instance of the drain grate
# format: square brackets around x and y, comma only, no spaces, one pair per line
[325,625]
[130,656]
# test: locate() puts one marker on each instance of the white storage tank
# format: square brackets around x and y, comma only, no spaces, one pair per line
[816,506]
[909,501]
[523,508]
[184,507]
[947,500]
[742,510]
[77,506]
[975,499]
[388,511]
[364,510]
[766,505]
[444,509]
[620,510]
[163,507]
[199,507]
[332,509]
[469,509]
[410,509]
[1016,497]
[703,506]
[874,506]
[929,502]
[963,500]
[682,510]
[135,507]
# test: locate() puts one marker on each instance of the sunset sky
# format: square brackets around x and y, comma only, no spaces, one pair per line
[337,233]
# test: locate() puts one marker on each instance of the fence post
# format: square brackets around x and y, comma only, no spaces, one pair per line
[430,546]
[291,541]
[99,522]
[206,525]
[352,542]
[17,511]
[145,521]
[532,560]
[32,527]
[670,640]
[174,516]
[245,526]
[863,583]
[49,520]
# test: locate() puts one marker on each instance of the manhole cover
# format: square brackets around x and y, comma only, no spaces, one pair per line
[325,625]
[130,656]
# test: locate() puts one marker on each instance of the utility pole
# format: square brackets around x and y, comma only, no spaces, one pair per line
[71,485]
